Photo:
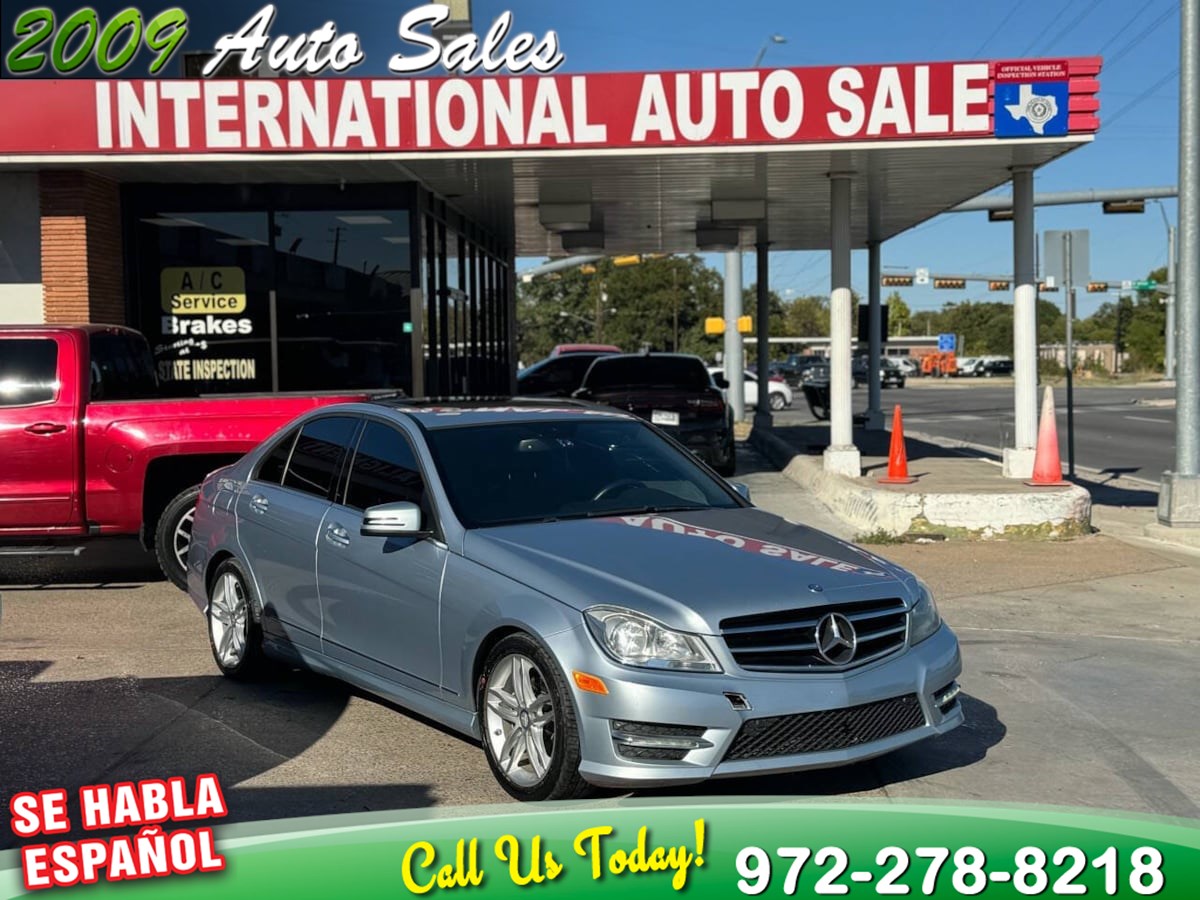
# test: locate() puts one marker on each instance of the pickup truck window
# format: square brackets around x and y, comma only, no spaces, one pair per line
[28,371]
[122,367]
[317,457]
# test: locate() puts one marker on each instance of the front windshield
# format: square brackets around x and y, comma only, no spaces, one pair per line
[506,473]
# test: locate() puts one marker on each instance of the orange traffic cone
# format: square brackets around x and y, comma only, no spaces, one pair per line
[1047,465]
[897,472]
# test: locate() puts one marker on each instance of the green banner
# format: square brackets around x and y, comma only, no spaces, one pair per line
[698,847]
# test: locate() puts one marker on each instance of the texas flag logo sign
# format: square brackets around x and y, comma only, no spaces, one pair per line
[1031,99]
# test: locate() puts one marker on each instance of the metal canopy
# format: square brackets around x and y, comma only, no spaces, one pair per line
[652,202]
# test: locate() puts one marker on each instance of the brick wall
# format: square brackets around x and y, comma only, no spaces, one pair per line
[82,258]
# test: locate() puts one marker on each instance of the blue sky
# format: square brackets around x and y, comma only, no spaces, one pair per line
[1137,144]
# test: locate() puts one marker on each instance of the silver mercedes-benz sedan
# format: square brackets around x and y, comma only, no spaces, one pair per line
[569,586]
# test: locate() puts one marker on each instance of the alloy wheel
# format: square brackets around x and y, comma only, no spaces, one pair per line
[519,720]
[228,616]
[181,540]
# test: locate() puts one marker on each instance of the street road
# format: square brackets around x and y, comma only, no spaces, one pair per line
[1080,668]
[1112,431]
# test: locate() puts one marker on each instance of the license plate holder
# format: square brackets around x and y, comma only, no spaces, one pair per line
[664,417]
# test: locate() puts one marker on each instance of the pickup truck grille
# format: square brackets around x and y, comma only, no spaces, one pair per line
[786,641]
[826,730]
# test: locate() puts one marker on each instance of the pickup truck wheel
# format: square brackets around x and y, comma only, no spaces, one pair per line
[233,634]
[173,536]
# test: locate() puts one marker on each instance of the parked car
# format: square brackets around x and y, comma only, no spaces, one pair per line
[563,349]
[993,366]
[673,391]
[816,391]
[91,450]
[891,374]
[781,396]
[908,365]
[796,366]
[570,588]
[967,365]
[556,376]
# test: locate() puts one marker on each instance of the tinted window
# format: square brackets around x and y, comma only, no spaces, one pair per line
[384,470]
[560,375]
[532,471]
[317,458]
[28,371]
[271,468]
[122,367]
[648,372]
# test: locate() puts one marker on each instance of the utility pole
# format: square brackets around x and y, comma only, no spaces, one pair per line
[1179,498]
[1069,287]
[1169,355]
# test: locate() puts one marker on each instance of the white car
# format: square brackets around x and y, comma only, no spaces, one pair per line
[781,393]
[907,365]
[966,365]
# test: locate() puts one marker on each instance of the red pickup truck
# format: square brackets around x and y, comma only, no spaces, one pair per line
[88,447]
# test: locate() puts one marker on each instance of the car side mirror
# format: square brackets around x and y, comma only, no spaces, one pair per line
[742,489]
[721,381]
[399,519]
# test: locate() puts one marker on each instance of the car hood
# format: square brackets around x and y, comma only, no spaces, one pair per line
[689,570]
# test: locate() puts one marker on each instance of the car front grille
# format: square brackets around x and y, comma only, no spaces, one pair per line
[786,641]
[826,730]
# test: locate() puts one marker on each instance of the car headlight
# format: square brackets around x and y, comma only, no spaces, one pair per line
[924,619]
[636,640]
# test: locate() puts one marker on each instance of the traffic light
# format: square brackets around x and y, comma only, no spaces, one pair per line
[1042,289]
[896,281]
[714,325]
[1125,206]
[745,325]
[953,284]
[1000,215]
[998,285]
[1097,287]
[631,260]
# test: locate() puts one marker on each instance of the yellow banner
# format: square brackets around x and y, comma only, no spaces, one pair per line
[203,290]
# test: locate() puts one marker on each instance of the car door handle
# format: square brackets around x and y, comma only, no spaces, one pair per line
[46,428]
[337,535]
[259,503]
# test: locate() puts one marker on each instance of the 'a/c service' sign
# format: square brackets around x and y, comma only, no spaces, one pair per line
[203,290]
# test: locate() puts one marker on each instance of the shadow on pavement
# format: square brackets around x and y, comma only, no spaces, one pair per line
[813,439]
[71,733]
[103,563]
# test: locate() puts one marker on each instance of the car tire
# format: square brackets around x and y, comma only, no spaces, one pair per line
[778,401]
[507,723]
[173,536]
[234,633]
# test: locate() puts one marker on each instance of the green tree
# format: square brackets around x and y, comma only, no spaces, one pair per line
[899,315]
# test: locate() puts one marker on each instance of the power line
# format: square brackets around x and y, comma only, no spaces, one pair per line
[1124,28]
[1141,36]
[1088,9]
[991,37]
[1062,10]
[1142,96]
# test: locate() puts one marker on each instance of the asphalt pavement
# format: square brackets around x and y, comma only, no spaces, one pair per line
[1080,666]
[1114,432]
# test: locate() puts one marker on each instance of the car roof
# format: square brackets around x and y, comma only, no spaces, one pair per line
[443,412]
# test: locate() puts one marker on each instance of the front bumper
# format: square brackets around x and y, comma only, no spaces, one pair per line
[696,699]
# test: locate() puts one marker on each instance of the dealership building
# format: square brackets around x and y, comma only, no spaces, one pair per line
[288,234]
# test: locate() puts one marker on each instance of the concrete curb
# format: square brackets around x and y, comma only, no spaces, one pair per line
[1044,514]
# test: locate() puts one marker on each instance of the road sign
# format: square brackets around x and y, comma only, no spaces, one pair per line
[1049,283]
[922,276]
[1055,268]
[946,343]
[1127,285]
[1147,285]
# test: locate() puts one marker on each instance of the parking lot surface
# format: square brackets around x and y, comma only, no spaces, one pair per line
[1080,670]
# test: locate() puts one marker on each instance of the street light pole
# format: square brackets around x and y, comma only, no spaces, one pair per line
[773,39]
[1179,499]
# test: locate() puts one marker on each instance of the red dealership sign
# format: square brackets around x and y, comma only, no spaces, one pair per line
[915,101]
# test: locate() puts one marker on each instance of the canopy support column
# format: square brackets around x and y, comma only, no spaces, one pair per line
[733,359]
[1018,459]
[841,456]
[762,409]
[875,338]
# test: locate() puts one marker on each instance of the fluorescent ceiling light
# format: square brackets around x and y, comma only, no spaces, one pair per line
[565,216]
[365,220]
[242,242]
[172,222]
[396,239]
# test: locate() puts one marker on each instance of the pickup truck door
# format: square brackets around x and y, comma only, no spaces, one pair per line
[279,512]
[39,431]
[380,595]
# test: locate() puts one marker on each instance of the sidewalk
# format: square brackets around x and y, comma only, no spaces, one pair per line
[958,494]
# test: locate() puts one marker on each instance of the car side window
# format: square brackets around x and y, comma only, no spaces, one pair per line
[384,470]
[28,371]
[271,469]
[317,457]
